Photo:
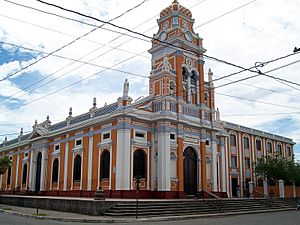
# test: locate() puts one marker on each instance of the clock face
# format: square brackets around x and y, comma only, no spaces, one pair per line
[163,36]
[188,36]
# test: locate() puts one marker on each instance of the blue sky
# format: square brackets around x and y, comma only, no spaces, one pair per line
[250,34]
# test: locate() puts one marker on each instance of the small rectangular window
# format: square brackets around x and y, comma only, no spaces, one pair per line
[207,142]
[233,162]
[56,147]
[26,154]
[172,136]
[175,20]
[78,142]
[106,136]
[140,134]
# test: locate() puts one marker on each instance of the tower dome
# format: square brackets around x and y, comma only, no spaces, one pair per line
[175,7]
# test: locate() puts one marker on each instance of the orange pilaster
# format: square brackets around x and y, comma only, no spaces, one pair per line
[180,164]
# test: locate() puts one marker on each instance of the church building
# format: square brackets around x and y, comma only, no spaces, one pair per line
[173,139]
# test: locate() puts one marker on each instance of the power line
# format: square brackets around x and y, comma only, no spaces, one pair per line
[261,114]
[231,11]
[70,43]
[63,57]
[85,62]
[250,77]
[257,101]
[66,34]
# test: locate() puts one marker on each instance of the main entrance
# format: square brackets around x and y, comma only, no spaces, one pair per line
[38,172]
[190,171]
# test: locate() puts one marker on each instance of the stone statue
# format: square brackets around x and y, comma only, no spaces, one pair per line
[218,114]
[126,88]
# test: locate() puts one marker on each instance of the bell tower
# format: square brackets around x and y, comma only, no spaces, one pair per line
[177,57]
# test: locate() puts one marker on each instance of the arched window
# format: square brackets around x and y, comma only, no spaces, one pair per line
[269,147]
[104,165]
[8,176]
[194,78]
[184,75]
[279,149]
[24,177]
[55,171]
[232,140]
[172,87]
[246,143]
[258,144]
[139,164]
[77,169]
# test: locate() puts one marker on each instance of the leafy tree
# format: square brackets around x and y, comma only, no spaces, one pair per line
[276,168]
[5,163]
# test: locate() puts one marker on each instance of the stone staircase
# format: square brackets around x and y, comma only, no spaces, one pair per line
[165,208]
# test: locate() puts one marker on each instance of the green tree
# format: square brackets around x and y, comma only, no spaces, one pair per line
[276,168]
[5,163]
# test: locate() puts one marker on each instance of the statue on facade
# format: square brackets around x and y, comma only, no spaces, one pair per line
[126,88]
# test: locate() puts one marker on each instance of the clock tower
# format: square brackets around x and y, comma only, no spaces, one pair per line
[177,57]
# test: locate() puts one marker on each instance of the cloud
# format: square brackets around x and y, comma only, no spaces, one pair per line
[229,37]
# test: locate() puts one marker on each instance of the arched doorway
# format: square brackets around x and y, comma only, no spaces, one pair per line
[38,172]
[190,171]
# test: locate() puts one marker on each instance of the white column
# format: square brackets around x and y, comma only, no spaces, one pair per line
[240,152]
[44,170]
[266,190]
[214,163]
[17,170]
[251,188]
[227,172]
[163,160]
[66,163]
[123,160]
[223,168]
[253,156]
[281,188]
[189,89]
[294,191]
[31,172]
[90,162]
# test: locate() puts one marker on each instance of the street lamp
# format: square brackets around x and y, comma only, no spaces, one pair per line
[137,181]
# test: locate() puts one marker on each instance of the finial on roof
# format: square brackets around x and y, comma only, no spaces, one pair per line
[5,140]
[94,102]
[105,104]
[175,1]
[70,111]
[35,122]
[21,132]
[48,117]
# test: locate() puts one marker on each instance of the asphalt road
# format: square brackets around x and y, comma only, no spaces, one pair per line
[277,218]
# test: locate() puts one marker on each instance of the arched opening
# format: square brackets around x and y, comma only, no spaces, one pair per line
[139,164]
[105,161]
[184,74]
[24,177]
[194,78]
[8,176]
[232,140]
[38,172]
[55,171]
[190,171]
[77,169]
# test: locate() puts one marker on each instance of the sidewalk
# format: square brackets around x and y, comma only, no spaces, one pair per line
[74,217]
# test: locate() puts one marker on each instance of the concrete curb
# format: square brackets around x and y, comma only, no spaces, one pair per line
[150,219]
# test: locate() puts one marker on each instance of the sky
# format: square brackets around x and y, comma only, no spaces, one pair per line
[242,32]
